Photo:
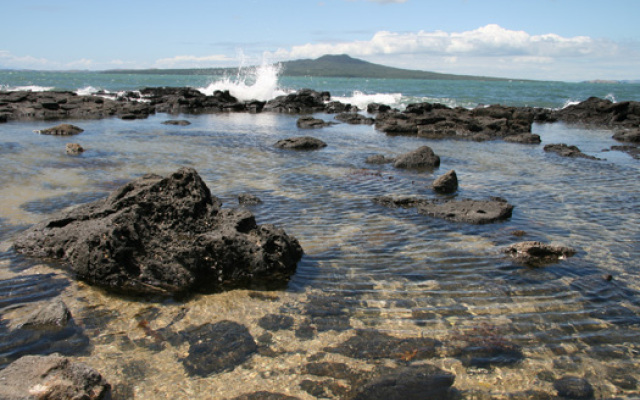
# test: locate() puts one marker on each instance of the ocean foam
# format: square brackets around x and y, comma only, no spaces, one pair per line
[361,100]
[31,88]
[252,83]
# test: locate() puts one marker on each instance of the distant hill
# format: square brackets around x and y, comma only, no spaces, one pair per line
[342,66]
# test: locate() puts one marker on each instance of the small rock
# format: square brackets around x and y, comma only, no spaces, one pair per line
[537,253]
[573,388]
[567,151]
[74,149]
[447,183]
[379,159]
[275,322]
[354,119]
[54,314]
[248,199]
[178,122]
[420,158]
[524,138]
[417,382]
[263,395]
[301,143]
[52,378]
[61,130]
[312,123]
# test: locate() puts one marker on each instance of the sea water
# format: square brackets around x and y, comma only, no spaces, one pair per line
[365,267]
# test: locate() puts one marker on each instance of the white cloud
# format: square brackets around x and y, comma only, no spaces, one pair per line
[489,50]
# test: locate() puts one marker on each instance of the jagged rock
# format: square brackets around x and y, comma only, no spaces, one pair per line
[632,136]
[309,122]
[447,183]
[601,112]
[416,382]
[178,122]
[61,130]
[247,199]
[303,101]
[423,157]
[74,149]
[300,143]
[573,388]
[374,108]
[633,151]
[537,253]
[164,235]
[52,378]
[567,151]
[465,210]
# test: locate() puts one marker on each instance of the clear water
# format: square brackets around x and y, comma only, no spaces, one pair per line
[365,266]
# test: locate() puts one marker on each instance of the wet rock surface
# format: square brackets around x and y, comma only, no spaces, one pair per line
[565,150]
[53,378]
[601,112]
[219,347]
[301,143]
[371,345]
[574,388]
[423,157]
[308,122]
[354,119]
[464,210]
[177,122]
[303,101]
[164,235]
[447,183]
[535,253]
[61,130]
[74,149]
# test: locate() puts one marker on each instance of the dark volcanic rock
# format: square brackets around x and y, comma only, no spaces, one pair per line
[61,130]
[524,138]
[309,122]
[51,378]
[354,119]
[164,235]
[248,199]
[419,158]
[633,151]
[601,112]
[466,210]
[447,183]
[538,253]
[373,345]
[219,347]
[632,136]
[416,382]
[567,151]
[303,101]
[178,122]
[573,388]
[262,395]
[53,314]
[300,143]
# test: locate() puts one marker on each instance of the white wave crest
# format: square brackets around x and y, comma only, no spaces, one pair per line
[86,91]
[362,100]
[253,83]
[31,88]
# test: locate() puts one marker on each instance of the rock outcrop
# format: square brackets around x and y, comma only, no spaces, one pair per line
[308,122]
[164,235]
[300,143]
[447,183]
[52,378]
[302,101]
[567,151]
[423,157]
[61,130]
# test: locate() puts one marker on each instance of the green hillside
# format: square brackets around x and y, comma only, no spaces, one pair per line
[342,66]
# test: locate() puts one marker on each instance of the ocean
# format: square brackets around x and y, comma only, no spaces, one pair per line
[387,275]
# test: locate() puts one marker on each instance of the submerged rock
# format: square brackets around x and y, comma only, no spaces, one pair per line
[573,387]
[465,210]
[54,314]
[373,345]
[416,382]
[178,122]
[52,378]
[300,143]
[164,235]
[354,119]
[537,253]
[524,138]
[447,183]
[61,130]
[379,159]
[219,347]
[263,395]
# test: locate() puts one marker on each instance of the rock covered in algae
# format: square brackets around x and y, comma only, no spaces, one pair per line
[165,235]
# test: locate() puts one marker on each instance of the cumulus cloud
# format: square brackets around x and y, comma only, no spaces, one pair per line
[489,40]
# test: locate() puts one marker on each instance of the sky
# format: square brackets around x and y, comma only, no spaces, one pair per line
[567,40]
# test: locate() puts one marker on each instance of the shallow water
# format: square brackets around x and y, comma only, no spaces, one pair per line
[365,266]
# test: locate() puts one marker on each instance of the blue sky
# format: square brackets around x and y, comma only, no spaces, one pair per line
[543,39]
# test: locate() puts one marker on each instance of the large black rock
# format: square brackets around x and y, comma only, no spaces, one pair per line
[165,235]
